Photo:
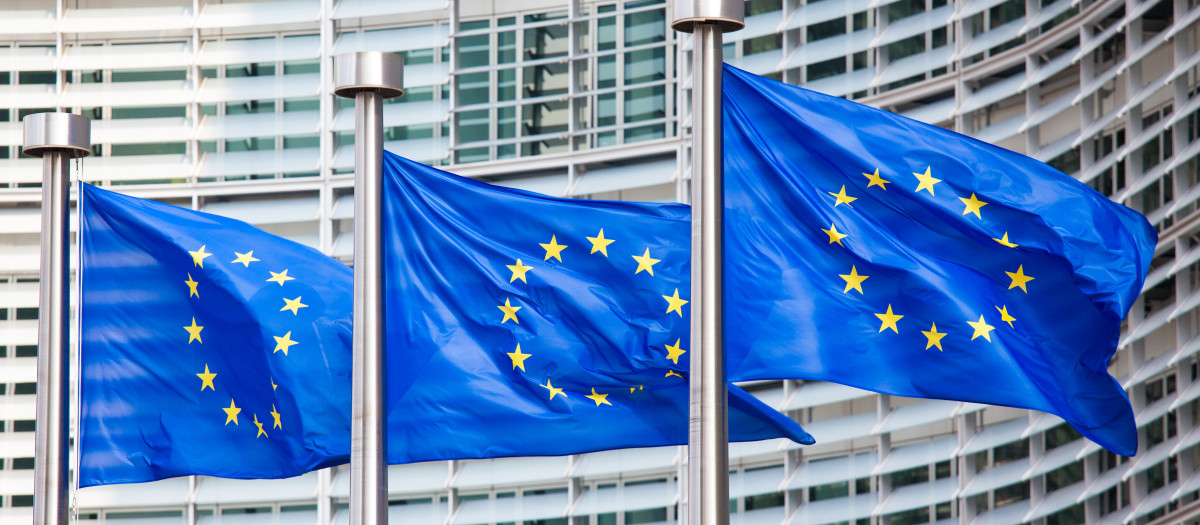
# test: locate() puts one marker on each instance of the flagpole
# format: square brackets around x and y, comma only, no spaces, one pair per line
[56,138]
[368,77]
[708,429]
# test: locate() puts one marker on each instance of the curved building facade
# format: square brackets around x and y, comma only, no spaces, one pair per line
[227,107]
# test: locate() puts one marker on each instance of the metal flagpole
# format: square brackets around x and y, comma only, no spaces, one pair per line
[56,138]
[368,77]
[708,431]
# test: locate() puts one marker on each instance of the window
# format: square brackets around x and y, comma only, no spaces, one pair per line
[763,501]
[1010,452]
[645,27]
[149,112]
[250,70]
[762,44]
[152,148]
[301,141]
[1068,475]
[1012,494]
[250,144]
[1061,435]
[149,76]
[827,68]
[828,29]
[246,510]
[37,77]
[299,67]
[250,106]
[645,516]
[830,491]
[910,477]
[911,517]
[758,7]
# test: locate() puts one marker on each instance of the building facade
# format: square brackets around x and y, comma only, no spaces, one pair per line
[227,107]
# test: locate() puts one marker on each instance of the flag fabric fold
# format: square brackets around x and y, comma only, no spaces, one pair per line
[520,324]
[207,347]
[872,250]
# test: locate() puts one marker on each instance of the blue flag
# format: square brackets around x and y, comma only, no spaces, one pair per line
[520,324]
[211,347]
[208,347]
[872,250]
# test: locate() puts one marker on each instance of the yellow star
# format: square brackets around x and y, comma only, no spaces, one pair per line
[973,205]
[553,391]
[273,385]
[674,303]
[673,373]
[207,378]
[261,432]
[645,262]
[274,414]
[1019,279]
[854,280]
[599,243]
[1004,316]
[927,181]
[281,277]
[632,388]
[876,180]
[933,338]
[194,332]
[1004,240]
[841,197]
[554,249]
[198,257]
[294,305]
[518,358]
[600,399]
[518,271]
[192,292]
[283,343]
[231,413]
[889,320]
[834,235]
[982,329]
[244,258]
[510,312]
[673,352]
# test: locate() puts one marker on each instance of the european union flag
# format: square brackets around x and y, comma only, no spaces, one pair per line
[208,347]
[520,324]
[875,251]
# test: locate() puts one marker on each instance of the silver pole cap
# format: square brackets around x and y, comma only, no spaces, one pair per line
[51,132]
[730,15]
[368,71]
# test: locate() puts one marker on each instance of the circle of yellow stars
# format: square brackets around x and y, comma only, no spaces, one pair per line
[282,343]
[599,245]
[889,319]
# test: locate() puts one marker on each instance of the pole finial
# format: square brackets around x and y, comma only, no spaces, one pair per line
[50,132]
[368,71]
[729,15]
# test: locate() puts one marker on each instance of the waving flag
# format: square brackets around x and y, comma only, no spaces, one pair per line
[520,324]
[208,347]
[876,251]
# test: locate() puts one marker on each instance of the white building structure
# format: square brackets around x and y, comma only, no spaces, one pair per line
[227,107]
